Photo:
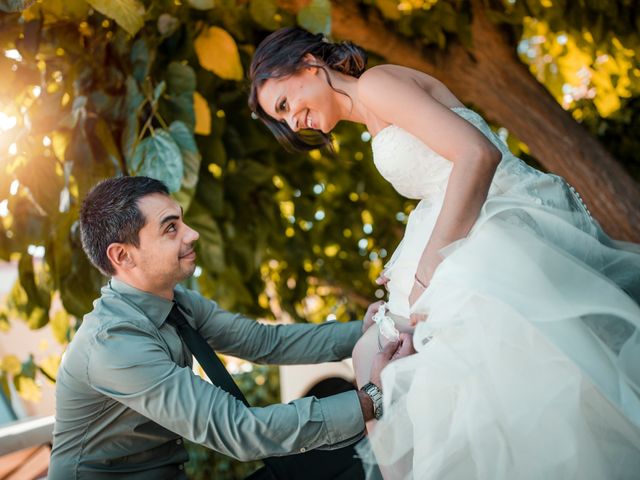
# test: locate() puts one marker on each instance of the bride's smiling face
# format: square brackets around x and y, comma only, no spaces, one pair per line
[304,100]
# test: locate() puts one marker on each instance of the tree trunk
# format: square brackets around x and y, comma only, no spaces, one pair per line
[491,77]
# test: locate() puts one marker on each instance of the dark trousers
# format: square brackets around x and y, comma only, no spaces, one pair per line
[339,464]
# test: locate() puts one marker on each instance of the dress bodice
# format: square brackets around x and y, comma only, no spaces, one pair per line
[413,169]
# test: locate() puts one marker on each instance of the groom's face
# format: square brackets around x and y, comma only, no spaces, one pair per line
[166,253]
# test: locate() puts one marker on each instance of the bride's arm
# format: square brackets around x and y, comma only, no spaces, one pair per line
[402,102]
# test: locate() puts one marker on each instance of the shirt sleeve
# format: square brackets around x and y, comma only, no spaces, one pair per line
[130,365]
[237,335]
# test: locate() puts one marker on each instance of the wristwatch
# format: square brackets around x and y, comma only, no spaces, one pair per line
[375,394]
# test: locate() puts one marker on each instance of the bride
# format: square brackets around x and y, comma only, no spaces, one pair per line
[526,313]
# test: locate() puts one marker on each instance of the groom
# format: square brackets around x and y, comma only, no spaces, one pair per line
[125,393]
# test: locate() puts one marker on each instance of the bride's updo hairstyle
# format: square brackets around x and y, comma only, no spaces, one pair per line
[282,54]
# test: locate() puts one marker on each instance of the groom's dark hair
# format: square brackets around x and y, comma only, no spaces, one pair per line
[110,214]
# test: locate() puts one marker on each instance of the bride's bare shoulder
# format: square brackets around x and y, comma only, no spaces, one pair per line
[381,77]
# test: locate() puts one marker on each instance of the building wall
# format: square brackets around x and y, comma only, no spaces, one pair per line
[296,380]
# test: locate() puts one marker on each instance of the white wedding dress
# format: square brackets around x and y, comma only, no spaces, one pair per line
[528,366]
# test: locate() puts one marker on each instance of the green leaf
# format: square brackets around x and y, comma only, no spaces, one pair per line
[58,248]
[133,98]
[231,289]
[316,17]
[129,136]
[254,173]
[35,288]
[217,52]
[5,246]
[24,300]
[133,101]
[30,226]
[108,147]
[46,185]
[159,157]
[81,286]
[158,91]
[27,388]
[29,367]
[14,5]
[140,59]
[184,138]
[93,156]
[191,158]
[210,192]
[202,4]
[77,114]
[264,13]
[4,322]
[167,24]
[65,9]
[60,325]
[129,14]
[179,107]
[39,318]
[181,85]
[180,78]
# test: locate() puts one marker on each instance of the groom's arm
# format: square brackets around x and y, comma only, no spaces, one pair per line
[128,363]
[234,334]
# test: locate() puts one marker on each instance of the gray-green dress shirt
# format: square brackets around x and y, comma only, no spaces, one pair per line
[126,395]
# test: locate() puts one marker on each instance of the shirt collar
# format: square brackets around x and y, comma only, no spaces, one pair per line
[154,307]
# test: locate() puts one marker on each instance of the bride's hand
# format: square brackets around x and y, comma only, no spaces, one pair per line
[382,279]
[427,266]
[416,291]
[367,321]
[420,284]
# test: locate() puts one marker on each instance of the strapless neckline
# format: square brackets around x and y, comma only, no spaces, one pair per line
[412,167]
[389,127]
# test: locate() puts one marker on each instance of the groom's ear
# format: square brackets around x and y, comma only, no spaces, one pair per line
[120,256]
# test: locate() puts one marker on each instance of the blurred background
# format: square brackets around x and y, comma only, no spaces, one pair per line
[92,88]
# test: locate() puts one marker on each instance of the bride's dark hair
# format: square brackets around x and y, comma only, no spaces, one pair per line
[281,54]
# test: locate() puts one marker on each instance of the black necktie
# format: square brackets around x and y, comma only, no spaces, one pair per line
[205,355]
[314,465]
[218,375]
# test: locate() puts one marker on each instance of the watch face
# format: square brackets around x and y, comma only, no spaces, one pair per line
[375,394]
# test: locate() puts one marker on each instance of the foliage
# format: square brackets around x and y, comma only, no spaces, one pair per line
[93,89]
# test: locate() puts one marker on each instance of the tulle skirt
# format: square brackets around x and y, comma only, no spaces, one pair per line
[528,365]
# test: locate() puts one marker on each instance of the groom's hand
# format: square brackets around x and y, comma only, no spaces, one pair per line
[392,351]
[405,347]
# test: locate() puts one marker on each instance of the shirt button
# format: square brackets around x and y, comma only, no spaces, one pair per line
[179,441]
[303,450]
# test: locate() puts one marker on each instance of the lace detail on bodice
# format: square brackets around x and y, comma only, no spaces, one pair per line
[415,170]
